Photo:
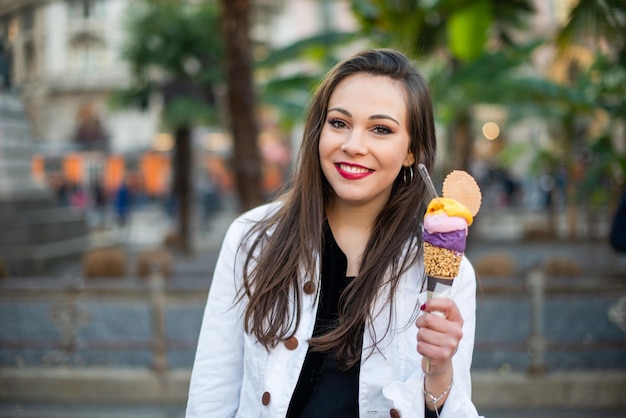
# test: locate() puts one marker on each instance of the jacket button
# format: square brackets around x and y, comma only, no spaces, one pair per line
[309,287]
[291,343]
[393,413]
[265,398]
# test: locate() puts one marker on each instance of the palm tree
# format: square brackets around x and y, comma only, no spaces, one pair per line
[241,101]
[457,34]
[591,57]
[290,92]
[174,49]
[597,24]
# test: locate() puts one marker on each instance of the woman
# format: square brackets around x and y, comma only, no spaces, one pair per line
[313,309]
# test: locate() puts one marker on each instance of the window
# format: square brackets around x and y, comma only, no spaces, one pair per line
[87,56]
[30,60]
[28,19]
[13,29]
[87,9]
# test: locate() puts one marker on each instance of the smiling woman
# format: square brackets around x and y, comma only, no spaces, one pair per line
[365,142]
[313,308]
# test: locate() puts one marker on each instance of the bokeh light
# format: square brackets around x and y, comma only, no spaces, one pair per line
[491,130]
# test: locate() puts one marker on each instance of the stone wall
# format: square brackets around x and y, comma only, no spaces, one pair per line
[36,232]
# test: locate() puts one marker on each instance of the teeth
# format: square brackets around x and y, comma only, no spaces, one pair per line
[352,169]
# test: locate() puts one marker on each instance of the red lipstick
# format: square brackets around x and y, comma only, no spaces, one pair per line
[352,174]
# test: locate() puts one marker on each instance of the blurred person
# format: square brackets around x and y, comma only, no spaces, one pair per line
[317,306]
[99,202]
[5,66]
[91,134]
[123,201]
[78,196]
[547,185]
[60,188]
[617,236]
[210,197]
[137,186]
[511,189]
[171,204]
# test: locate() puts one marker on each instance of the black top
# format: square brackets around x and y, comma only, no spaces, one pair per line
[324,390]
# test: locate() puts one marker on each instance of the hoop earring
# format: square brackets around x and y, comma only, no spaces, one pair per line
[404,177]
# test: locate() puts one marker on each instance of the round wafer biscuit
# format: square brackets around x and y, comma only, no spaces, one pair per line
[462,187]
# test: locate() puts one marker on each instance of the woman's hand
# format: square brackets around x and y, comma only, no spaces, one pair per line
[440,329]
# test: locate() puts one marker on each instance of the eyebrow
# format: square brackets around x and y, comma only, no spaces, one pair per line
[373,117]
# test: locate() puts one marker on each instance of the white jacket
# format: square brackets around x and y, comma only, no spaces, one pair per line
[235,376]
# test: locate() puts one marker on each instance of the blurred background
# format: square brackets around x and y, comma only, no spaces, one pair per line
[132,132]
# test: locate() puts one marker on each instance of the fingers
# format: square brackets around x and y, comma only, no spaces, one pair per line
[440,330]
[438,345]
[446,306]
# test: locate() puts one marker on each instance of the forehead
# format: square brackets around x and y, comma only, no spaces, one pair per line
[375,92]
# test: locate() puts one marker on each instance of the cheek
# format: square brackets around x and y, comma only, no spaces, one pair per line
[326,146]
[395,159]
[325,151]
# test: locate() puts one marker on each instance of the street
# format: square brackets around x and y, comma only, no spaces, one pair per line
[151,411]
[107,324]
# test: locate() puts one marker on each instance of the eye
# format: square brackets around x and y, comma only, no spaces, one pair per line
[382,130]
[337,123]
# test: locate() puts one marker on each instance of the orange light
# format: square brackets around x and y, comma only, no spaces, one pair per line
[73,168]
[491,130]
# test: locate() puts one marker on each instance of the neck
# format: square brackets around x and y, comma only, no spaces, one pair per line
[352,230]
[342,216]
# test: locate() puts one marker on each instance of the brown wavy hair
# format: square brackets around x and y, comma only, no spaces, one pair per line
[282,251]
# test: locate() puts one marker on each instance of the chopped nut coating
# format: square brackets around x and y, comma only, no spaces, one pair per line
[441,262]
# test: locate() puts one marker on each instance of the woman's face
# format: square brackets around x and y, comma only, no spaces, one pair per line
[365,142]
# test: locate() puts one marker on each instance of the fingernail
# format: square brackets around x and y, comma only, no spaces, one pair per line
[422,307]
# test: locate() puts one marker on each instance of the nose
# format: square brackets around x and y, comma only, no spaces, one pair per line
[354,143]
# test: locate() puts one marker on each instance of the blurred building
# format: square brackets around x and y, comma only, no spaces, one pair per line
[64,61]
[281,22]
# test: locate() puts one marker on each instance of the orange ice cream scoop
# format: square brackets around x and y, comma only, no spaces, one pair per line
[450,207]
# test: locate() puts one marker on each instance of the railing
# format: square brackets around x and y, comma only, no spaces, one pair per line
[70,307]
[536,282]
[65,304]
[70,322]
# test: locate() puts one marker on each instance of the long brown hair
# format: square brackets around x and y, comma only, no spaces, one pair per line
[282,251]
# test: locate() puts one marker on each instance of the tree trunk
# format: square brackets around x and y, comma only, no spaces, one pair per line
[241,101]
[571,186]
[182,185]
[462,141]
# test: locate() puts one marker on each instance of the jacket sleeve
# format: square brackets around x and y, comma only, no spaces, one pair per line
[408,395]
[217,372]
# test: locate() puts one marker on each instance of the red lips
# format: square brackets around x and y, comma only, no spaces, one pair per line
[352,171]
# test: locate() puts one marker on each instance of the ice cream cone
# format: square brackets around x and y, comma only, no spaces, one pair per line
[445,232]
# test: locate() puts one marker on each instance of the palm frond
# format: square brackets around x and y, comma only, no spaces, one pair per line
[594,21]
[302,49]
[173,49]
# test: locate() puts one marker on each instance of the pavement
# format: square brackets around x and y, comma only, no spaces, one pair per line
[155,411]
[498,232]
[72,388]
[584,330]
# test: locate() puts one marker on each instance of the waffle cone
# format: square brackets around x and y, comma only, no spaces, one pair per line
[462,187]
[441,262]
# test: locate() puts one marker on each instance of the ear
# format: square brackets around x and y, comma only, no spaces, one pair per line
[409,160]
